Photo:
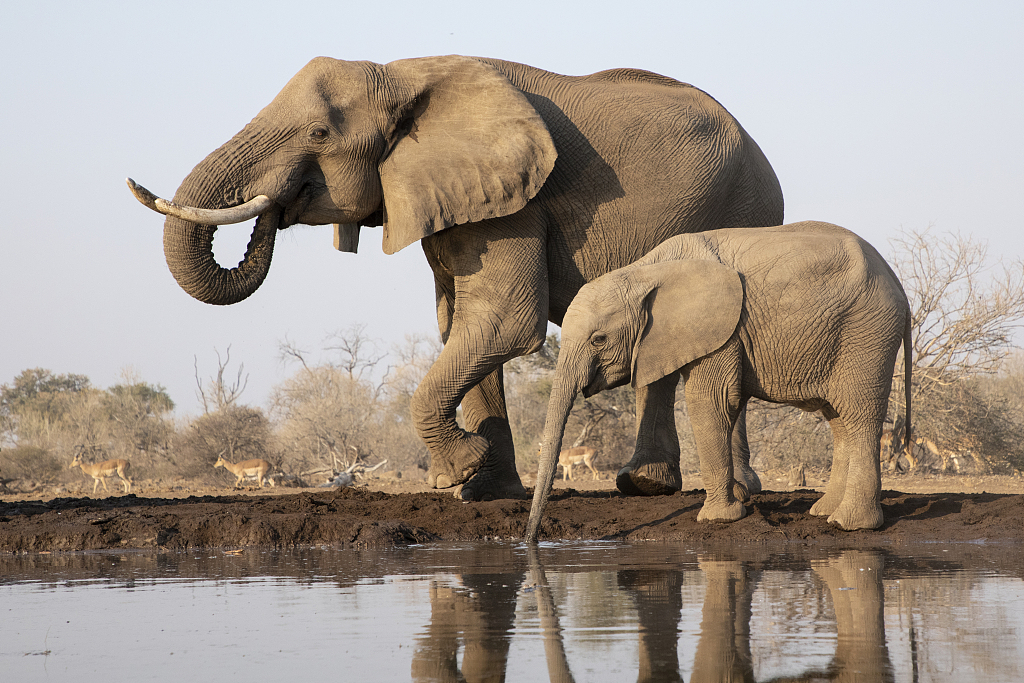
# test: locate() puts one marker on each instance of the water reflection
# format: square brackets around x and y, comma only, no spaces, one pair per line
[491,612]
[480,612]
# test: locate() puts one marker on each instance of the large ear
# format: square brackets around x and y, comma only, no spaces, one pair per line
[467,146]
[692,309]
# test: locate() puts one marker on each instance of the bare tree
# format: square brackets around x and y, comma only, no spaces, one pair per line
[964,314]
[326,416]
[358,354]
[222,393]
[345,409]
[226,427]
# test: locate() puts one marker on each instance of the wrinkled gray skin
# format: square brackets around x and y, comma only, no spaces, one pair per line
[806,314]
[552,181]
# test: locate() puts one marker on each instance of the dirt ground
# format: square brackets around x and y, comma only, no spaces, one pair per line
[389,512]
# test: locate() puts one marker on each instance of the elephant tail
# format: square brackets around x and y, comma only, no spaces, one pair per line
[908,353]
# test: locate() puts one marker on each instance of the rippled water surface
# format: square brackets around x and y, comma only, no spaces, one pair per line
[563,612]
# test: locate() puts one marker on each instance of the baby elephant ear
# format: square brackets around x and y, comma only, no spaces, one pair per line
[467,146]
[692,309]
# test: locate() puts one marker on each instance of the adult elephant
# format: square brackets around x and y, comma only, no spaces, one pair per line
[551,181]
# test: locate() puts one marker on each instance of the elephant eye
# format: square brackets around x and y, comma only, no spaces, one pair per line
[318,134]
[598,340]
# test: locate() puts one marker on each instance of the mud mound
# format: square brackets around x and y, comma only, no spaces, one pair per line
[362,518]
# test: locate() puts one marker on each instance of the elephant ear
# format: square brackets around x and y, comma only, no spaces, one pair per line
[467,145]
[691,309]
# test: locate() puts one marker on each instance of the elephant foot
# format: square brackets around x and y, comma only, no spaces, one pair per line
[743,474]
[651,479]
[457,465]
[850,517]
[721,512]
[493,483]
[740,491]
[826,505]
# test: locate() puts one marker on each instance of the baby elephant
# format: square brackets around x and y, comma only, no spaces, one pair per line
[806,314]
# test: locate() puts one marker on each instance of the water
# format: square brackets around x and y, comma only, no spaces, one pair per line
[568,611]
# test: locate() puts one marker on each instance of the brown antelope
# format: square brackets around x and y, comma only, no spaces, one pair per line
[101,470]
[575,456]
[247,468]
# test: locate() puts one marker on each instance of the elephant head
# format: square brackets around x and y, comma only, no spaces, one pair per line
[417,145]
[641,322]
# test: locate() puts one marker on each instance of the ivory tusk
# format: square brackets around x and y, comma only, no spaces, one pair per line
[236,214]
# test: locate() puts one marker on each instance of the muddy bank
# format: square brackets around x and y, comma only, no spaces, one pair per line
[359,517]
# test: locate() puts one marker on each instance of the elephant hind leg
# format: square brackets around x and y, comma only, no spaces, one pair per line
[852,498]
[654,467]
[485,414]
[836,487]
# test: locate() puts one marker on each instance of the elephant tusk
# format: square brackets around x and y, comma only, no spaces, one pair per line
[236,214]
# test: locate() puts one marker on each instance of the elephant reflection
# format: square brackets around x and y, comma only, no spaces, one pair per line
[554,647]
[480,613]
[659,603]
[723,651]
[853,578]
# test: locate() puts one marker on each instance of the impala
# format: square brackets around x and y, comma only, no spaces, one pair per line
[255,468]
[101,470]
[575,456]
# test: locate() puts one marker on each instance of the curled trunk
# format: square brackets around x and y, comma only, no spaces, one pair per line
[188,248]
[559,406]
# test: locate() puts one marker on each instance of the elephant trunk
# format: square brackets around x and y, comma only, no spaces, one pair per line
[188,248]
[188,235]
[562,396]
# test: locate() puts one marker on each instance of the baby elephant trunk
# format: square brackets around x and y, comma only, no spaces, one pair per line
[559,406]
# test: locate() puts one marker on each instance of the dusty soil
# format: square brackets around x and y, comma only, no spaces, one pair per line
[385,512]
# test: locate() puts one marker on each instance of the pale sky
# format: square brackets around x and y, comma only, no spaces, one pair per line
[875,116]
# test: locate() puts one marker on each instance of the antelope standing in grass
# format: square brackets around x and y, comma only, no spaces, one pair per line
[101,470]
[255,468]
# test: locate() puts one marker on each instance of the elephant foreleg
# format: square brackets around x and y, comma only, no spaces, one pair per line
[714,401]
[492,306]
[455,453]
[654,468]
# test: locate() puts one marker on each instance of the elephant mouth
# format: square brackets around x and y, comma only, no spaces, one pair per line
[602,382]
